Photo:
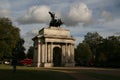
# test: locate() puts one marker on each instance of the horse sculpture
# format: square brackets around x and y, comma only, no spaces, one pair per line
[55,22]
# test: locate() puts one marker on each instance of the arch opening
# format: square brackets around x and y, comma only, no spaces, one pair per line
[57,56]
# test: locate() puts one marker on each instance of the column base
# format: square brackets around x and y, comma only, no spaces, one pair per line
[43,64]
[48,65]
[35,64]
[69,64]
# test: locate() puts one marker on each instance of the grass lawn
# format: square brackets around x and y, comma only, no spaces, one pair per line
[61,73]
[83,73]
[31,73]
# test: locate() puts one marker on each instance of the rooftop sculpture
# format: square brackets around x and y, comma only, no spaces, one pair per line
[54,22]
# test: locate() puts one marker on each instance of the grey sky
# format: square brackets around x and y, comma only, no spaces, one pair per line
[80,16]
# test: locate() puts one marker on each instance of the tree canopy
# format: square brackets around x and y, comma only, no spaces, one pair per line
[105,51]
[9,36]
[30,52]
[83,54]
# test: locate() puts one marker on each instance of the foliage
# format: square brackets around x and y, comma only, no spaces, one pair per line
[93,40]
[111,50]
[11,43]
[30,52]
[83,54]
[18,51]
[105,52]
[9,36]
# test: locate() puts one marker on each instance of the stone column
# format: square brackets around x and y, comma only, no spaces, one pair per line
[66,53]
[45,54]
[49,63]
[43,51]
[48,54]
[39,54]
[71,52]
[63,55]
[51,53]
[35,57]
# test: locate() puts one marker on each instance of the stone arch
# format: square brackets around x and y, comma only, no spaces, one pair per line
[56,45]
[57,56]
[48,42]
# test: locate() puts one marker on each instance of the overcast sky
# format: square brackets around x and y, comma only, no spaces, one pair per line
[79,16]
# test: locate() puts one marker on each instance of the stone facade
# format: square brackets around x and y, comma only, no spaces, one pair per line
[46,41]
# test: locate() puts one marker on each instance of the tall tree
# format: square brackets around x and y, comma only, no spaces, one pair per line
[19,50]
[30,52]
[83,54]
[9,36]
[111,49]
[93,40]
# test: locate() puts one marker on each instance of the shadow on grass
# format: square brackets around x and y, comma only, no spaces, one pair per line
[100,76]
[20,74]
[105,74]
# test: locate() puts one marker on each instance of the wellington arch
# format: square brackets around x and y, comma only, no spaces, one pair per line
[53,46]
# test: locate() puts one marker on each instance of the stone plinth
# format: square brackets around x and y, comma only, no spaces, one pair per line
[55,31]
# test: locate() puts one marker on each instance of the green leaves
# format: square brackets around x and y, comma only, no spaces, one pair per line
[104,51]
[9,36]
[30,52]
[83,54]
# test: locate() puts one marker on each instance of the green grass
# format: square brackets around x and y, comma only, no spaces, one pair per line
[31,73]
[97,74]
[100,76]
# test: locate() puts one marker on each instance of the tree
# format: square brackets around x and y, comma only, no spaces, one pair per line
[105,52]
[30,52]
[9,36]
[83,54]
[19,49]
[93,40]
[111,49]
[108,52]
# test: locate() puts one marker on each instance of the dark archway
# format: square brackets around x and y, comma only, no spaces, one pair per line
[57,56]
